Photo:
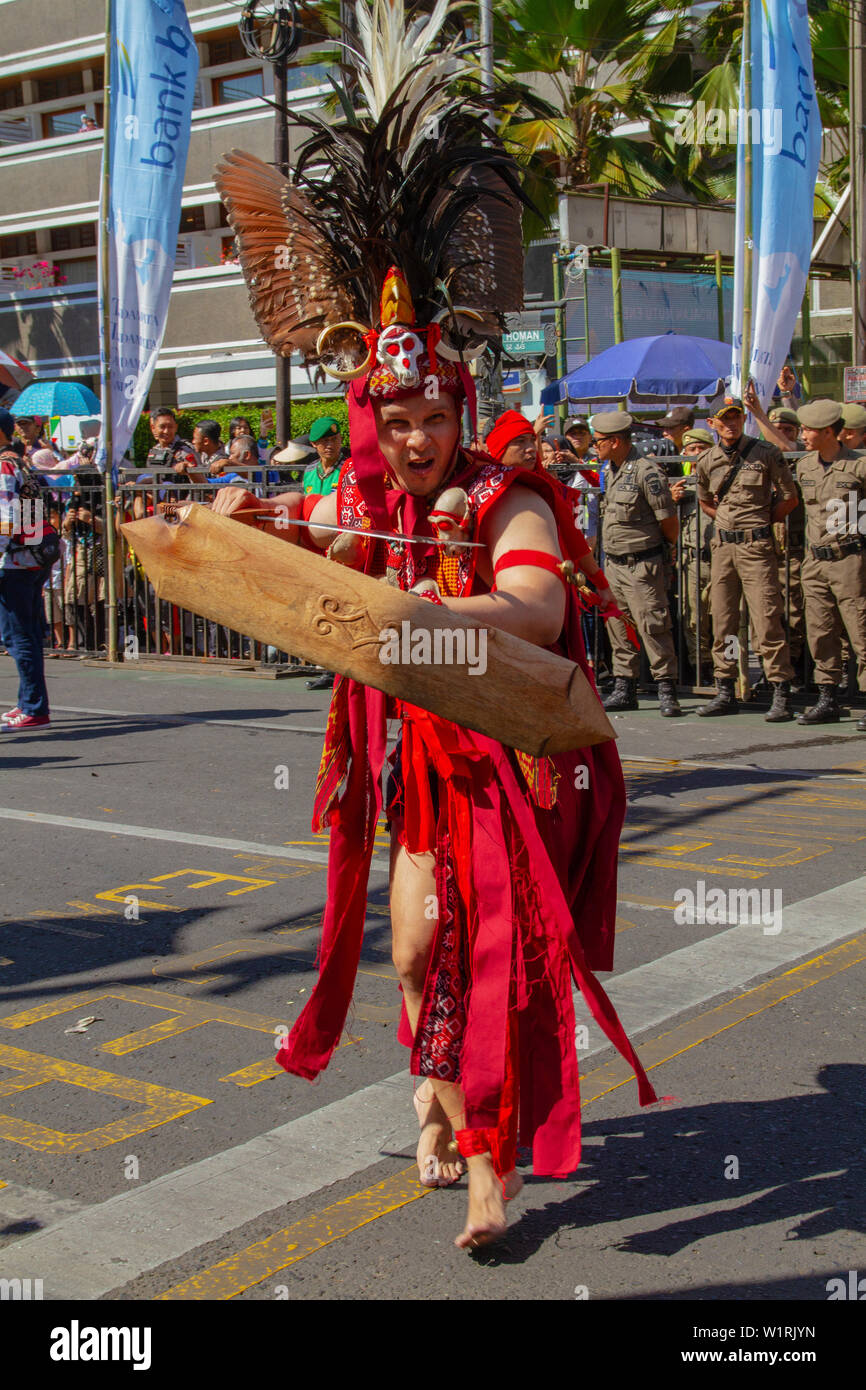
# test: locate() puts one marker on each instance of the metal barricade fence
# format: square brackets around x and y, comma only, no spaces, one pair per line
[75,594]
[152,627]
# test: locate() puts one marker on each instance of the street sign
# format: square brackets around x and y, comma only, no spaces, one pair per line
[524,342]
[855,384]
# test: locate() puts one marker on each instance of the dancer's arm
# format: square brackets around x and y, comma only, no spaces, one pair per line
[529,602]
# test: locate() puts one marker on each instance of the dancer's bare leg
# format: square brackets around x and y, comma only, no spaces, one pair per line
[485,1219]
[413,923]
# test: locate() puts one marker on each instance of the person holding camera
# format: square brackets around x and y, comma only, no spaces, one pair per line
[26,557]
[171,453]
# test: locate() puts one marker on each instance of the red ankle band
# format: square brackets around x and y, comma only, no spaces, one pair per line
[473,1141]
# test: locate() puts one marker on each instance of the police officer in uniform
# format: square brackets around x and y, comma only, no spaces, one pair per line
[853,426]
[746,486]
[639,517]
[832,480]
[693,522]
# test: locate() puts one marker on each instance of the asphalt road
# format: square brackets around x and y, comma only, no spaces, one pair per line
[159,876]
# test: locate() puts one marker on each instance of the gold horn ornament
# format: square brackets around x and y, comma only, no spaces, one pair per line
[348,326]
[444,348]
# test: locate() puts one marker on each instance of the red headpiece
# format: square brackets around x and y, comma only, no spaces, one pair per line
[508,427]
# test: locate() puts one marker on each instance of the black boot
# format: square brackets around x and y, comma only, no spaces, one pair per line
[827,709]
[725,702]
[668,703]
[324,682]
[780,711]
[623,696]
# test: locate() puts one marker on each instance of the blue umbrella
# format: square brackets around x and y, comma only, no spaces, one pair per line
[47,398]
[669,364]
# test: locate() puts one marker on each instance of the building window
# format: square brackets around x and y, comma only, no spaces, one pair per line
[80,272]
[240,86]
[226,51]
[62,122]
[191,220]
[73,238]
[70,84]
[23,244]
[302,75]
[11,96]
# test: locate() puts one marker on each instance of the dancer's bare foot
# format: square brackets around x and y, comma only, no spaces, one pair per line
[438,1165]
[485,1220]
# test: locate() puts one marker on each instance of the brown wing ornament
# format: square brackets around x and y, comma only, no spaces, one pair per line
[289,267]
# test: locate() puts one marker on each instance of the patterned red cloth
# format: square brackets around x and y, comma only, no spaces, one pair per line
[526,889]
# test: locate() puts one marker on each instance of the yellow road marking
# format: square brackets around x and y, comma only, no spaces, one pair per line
[685,1036]
[185,1014]
[277,1252]
[268,1071]
[284,1248]
[637,856]
[632,900]
[186,968]
[160,1105]
[46,921]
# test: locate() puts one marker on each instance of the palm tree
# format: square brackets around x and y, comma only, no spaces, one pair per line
[602,68]
[718,40]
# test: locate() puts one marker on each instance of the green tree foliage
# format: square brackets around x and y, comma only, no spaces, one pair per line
[303,414]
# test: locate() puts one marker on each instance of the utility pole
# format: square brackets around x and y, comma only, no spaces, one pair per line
[283,364]
[271,30]
[746,326]
[857,164]
[493,384]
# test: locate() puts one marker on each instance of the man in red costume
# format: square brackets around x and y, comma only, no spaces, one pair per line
[516,855]
[404,256]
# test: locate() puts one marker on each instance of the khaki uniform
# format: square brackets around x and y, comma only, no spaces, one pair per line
[692,603]
[834,580]
[744,562]
[637,498]
[791,573]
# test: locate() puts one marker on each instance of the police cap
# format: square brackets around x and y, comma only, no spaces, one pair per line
[854,417]
[722,404]
[819,415]
[612,422]
[783,416]
[698,437]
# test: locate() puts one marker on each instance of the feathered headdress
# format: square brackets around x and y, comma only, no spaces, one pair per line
[396,245]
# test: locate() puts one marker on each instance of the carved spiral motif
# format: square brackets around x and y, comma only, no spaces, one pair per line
[333,611]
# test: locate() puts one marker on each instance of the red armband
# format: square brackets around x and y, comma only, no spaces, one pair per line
[539,559]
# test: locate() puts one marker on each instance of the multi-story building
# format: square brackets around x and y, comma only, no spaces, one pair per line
[51,77]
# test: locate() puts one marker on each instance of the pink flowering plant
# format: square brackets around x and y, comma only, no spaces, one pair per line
[42,275]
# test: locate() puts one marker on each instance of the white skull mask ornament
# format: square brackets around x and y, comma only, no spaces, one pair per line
[399,350]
